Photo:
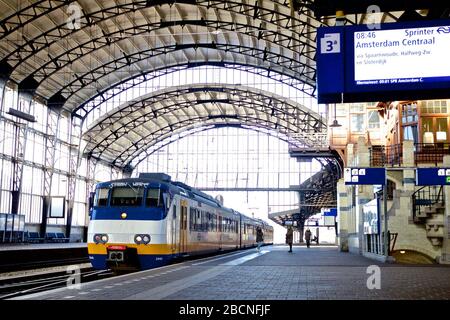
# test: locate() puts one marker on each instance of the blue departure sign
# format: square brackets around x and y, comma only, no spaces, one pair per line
[330,212]
[399,61]
[432,176]
[362,176]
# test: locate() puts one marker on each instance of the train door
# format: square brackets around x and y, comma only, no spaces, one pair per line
[220,232]
[240,231]
[173,226]
[183,225]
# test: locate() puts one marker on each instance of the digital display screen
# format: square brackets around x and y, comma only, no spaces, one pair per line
[398,61]
[411,55]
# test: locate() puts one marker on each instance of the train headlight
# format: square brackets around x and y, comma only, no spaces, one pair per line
[146,239]
[104,238]
[142,238]
[101,238]
[123,215]
[97,238]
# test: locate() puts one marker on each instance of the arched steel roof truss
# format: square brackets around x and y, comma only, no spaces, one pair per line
[115,41]
[125,132]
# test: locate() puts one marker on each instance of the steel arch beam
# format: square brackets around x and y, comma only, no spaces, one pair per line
[89,105]
[106,40]
[162,140]
[283,115]
[266,12]
[173,138]
[292,67]
[152,115]
[31,13]
[28,14]
[124,159]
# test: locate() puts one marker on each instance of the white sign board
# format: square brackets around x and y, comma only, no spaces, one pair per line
[399,54]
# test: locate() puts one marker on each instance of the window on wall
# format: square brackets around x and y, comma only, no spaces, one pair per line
[409,113]
[357,122]
[434,106]
[357,118]
[410,133]
[434,129]
[409,122]
[374,119]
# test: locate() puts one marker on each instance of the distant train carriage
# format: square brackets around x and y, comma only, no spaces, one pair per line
[145,222]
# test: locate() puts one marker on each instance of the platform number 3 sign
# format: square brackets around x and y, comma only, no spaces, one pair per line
[330,43]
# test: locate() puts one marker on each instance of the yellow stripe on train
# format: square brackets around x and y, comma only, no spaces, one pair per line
[159,248]
[141,249]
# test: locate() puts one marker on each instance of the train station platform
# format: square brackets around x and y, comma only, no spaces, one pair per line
[23,256]
[317,273]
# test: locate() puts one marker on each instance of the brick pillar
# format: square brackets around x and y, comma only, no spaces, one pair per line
[363,153]
[343,210]
[350,155]
[408,153]
[364,194]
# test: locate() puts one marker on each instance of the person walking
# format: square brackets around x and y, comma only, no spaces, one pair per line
[308,237]
[290,237]
[259,238]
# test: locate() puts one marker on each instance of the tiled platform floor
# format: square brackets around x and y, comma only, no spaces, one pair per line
[274,274]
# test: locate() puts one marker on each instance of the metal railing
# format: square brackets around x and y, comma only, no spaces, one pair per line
[424,153]
[432,153]
[383,156]
[426,197]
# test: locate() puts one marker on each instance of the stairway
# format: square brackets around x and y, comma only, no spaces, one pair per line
[429,209]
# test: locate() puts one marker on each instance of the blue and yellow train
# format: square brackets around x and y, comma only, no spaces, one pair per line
[146,222]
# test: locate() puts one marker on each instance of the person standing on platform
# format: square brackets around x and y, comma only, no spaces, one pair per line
[290,237]
[308,237]
[259,238]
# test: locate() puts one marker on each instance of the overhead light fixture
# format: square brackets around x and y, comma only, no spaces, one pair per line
[335,123]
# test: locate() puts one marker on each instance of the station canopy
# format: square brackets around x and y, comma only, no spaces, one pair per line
[76,55]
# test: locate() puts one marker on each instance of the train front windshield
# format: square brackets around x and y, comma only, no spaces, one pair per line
[129,196]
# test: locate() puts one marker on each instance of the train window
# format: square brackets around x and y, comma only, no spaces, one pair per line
[154,198]
[101,197]
[191,219]
[127,196]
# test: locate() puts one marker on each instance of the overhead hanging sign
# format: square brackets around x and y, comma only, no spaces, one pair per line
[432,176]
[330,212]
[399,61]
[362,176]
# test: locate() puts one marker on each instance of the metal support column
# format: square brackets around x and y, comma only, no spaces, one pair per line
[5,72]
[386,233]
[3,91]
[51,137]
[26,90]
[90,186]
[20,142]
[74,164]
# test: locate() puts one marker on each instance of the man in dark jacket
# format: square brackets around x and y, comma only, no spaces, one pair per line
[259,238]
[290,237]
[308,237]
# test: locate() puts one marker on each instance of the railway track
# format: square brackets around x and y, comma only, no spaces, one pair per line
[4,267]
[12,287]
